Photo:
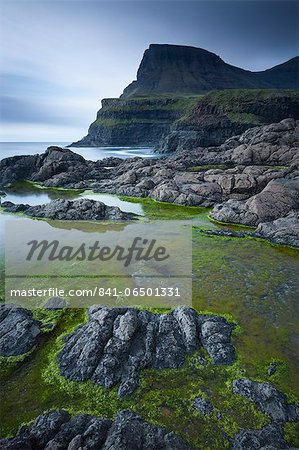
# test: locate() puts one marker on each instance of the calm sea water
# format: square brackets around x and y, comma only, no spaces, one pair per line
[35,196]
[92,153]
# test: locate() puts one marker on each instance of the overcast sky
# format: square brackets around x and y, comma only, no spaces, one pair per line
[59,58]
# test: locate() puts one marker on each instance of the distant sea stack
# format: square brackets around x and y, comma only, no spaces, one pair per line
[171,81]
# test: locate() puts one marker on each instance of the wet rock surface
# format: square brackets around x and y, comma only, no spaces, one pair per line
[117,343]
[58,430]
[18,330]
[60,209]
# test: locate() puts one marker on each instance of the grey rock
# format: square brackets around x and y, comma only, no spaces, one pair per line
[58,430]
[272,369]
[269,437]
[61,209]
[117,343]
[281,231]
[269,400]
[203,406]
[276,200]
[215,336]
[18,330]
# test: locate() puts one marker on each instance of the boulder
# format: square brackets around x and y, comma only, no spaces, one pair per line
[18,330]
[276,200]
[269,437]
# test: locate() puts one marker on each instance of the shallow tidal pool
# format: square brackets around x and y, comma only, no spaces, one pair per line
[254,283]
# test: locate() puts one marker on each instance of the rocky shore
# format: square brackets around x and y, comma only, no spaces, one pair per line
[251,179]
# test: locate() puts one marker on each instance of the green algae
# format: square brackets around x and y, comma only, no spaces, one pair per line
[292,434]
[156,210]
[246,280]
[164,397]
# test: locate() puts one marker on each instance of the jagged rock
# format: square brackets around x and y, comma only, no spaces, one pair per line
[82,209]
[269,400]
[58,430]
[117,343]
[269,437]
[18,330]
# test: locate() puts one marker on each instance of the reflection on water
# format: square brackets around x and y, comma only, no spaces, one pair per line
[30,194]
[250,279]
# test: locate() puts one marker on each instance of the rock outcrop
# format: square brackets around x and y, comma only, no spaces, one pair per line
[117,343]
[283,231]
[60,209]
[269,437]
[277,199]
[18,330]
[268,399]
[56,166]
[56,429]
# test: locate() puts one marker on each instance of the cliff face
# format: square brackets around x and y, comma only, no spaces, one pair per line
[170,69]
[223,114]
[170,79]
[135,122]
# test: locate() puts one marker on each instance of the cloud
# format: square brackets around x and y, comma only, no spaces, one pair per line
[62,57]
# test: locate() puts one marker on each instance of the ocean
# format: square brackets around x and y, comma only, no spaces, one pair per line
[8,149]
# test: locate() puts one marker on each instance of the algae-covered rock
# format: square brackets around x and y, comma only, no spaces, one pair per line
[117,343]
[58,430]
